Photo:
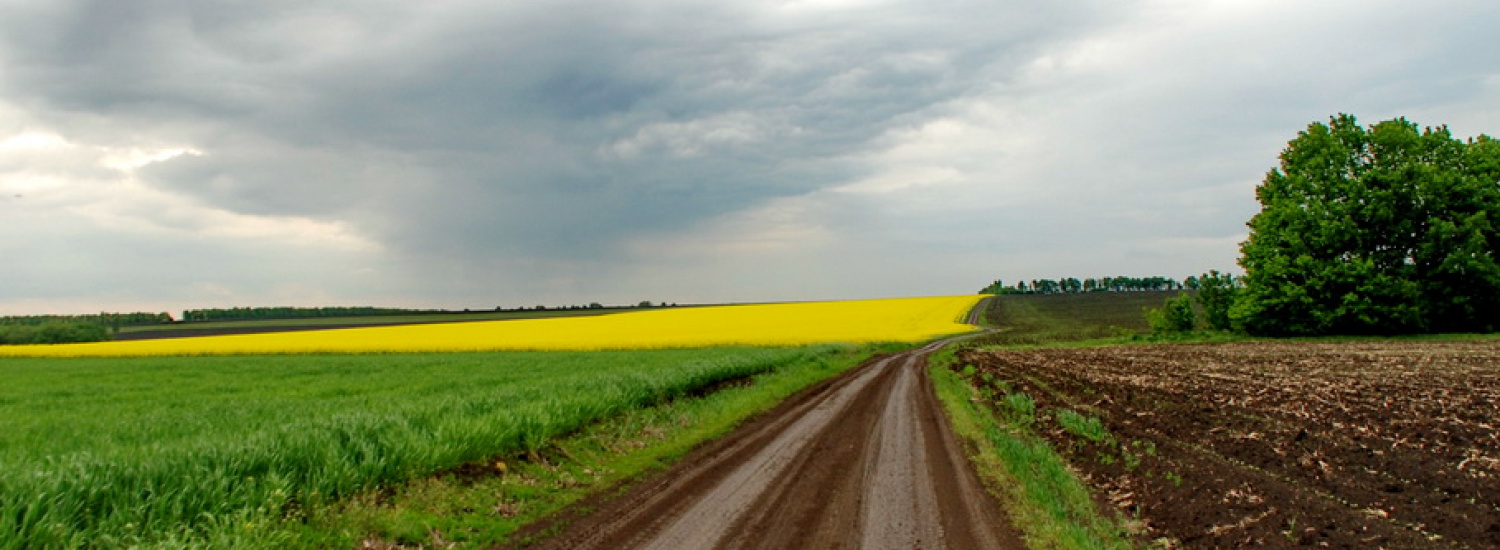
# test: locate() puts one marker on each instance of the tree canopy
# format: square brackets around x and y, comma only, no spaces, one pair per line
[1073,284]
[1385,229]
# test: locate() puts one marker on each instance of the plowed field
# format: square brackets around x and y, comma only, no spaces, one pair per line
[1344,445]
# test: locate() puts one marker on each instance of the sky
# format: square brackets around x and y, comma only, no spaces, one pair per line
[159,155]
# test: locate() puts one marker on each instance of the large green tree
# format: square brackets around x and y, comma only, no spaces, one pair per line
[1377,230]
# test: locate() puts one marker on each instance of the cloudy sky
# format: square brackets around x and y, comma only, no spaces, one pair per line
[165,154]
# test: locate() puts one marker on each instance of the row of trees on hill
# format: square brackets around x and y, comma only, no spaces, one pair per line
[1073,284]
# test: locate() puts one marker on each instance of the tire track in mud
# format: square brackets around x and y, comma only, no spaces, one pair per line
[865,460]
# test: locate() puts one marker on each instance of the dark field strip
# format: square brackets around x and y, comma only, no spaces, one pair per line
[1353,445]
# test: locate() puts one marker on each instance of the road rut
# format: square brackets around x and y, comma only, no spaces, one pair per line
[866,460]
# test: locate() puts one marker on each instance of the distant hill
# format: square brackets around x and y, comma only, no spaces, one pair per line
[1044,318]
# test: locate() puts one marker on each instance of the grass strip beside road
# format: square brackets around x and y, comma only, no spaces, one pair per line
[1046,501]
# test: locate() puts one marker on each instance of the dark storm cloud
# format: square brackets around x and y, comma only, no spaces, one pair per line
[577,151]
[555,130]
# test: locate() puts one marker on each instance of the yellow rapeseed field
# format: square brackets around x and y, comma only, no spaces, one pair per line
[857,321]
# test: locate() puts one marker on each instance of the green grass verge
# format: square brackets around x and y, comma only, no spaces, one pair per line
[208,451]
[1046,501]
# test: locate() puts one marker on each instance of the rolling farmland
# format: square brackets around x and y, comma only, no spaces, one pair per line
[195,442]
[790,324]
[1030,319]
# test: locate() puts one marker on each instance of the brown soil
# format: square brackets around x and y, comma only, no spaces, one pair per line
[865,460]
[1344,445]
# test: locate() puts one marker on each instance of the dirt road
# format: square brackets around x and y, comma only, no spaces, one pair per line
[865,460]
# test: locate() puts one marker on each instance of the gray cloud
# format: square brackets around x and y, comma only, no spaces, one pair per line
[552,150]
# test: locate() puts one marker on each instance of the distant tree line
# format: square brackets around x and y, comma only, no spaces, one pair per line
[1205,302]
[1073,284]
[113,320]
[240,313]
[53,332]
[66,329]
[250,313]
[61,329]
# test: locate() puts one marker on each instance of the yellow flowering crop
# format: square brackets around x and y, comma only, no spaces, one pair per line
[858,321]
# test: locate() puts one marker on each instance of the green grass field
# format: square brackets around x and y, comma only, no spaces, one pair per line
[192,451]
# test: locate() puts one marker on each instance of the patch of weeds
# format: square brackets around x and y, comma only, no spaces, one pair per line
[1022,408]
[1085,426]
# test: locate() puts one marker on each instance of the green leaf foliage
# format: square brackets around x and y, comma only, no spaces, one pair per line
[1176,315]
[52,332]
[1378,230]
[1216,295]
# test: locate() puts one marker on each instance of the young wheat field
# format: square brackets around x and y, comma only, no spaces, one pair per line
[119,451]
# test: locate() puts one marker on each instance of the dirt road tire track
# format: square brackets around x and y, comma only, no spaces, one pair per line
[866,460]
